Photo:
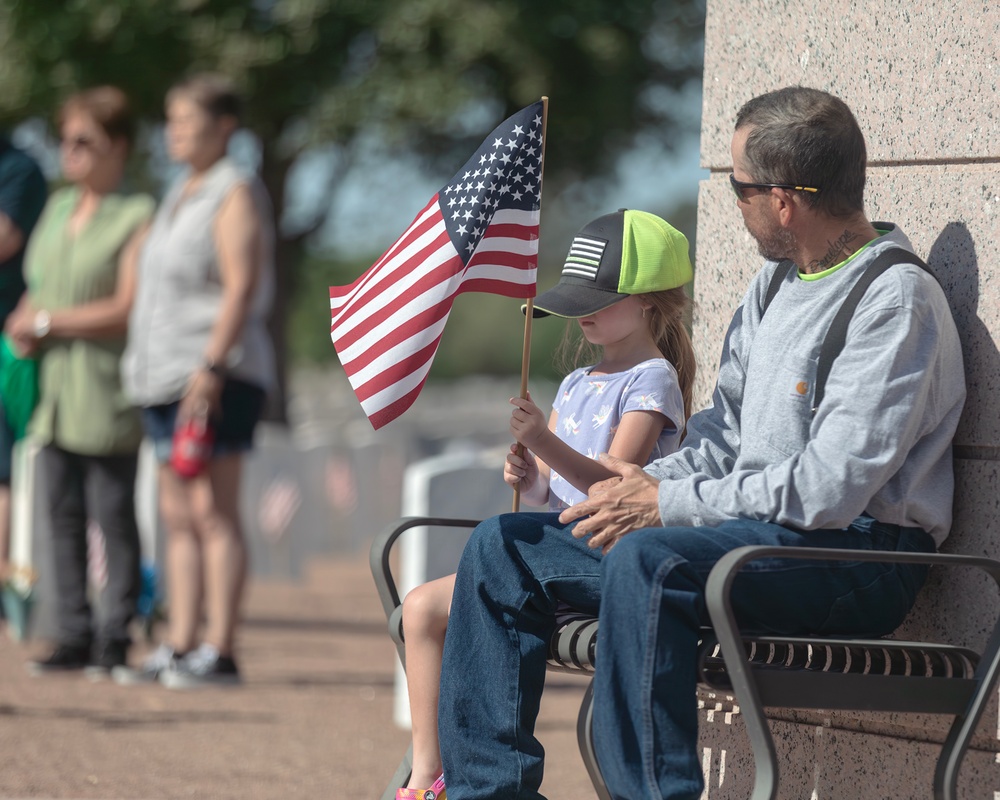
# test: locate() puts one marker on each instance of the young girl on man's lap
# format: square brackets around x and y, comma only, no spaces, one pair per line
[622,282]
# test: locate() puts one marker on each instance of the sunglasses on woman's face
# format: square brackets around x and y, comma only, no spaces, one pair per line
[740,186]
[78,142]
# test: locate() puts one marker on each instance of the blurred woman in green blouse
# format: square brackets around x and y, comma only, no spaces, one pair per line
[80,273]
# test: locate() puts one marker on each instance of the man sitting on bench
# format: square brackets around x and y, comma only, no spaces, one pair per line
[820,434]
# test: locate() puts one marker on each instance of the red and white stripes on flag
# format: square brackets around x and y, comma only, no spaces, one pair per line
[387,325]
[478,234]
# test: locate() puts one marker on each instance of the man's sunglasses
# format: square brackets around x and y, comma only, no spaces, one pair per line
[740,186]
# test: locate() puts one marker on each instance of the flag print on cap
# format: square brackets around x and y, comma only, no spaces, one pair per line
[478,234]
[584,257]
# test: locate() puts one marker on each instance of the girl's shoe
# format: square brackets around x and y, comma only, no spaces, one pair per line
[436,792]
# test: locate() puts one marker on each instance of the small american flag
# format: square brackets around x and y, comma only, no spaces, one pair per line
[479,233]
[97,556]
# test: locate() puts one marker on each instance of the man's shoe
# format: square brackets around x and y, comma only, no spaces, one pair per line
[156,662]
[201,668]
[65,658]
[107,656]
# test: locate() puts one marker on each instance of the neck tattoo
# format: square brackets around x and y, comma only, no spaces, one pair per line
[834,255]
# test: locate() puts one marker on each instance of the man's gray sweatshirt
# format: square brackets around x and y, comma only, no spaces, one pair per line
[880,442]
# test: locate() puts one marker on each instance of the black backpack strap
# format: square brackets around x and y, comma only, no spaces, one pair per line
[780,273]
[836,337]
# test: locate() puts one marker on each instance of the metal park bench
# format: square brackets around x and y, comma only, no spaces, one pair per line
[775,671]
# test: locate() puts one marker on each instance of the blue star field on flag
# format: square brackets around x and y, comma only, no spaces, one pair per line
[504,173]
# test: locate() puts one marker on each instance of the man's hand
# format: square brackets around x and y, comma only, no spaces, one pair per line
[616,506]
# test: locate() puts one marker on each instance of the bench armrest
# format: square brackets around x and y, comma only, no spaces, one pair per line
[381,549]
[720,581]
[720,609]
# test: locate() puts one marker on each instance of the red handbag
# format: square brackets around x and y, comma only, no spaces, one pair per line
[192,445]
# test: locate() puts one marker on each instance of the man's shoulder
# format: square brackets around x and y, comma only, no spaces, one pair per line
[23,189]
[908,268]
[904,285]
[17,164]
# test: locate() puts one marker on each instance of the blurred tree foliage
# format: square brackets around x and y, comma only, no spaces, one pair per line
[426,76]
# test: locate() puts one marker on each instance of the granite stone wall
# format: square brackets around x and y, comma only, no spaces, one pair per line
[922,78]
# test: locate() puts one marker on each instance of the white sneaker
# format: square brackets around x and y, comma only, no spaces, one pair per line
[200,668]
[156,662]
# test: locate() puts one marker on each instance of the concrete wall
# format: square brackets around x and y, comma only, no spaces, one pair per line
[922,78]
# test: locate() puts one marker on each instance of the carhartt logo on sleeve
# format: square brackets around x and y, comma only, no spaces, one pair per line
[584,257]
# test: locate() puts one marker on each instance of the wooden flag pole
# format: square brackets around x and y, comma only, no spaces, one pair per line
[526,349]
[525,353]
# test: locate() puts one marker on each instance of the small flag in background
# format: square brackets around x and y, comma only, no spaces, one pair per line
[97,556]
[478,234]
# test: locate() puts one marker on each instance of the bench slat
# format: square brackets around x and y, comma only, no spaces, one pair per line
[801,663]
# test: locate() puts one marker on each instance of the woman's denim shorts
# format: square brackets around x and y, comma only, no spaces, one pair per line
[240,409]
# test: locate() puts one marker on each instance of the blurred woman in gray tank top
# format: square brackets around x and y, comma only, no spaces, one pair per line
[198,350]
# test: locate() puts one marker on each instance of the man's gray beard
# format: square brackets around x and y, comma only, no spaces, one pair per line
[777,246]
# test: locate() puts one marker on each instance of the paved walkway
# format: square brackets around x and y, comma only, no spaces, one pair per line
[312,721]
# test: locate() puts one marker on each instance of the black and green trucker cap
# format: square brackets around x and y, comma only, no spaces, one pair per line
[617,255]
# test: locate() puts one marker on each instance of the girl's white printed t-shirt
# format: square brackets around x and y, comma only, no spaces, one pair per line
[591,407]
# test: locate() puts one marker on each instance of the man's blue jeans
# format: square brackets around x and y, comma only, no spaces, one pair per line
[649,592]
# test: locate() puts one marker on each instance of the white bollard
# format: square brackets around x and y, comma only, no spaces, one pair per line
[22,493]
[21,596]
[147,509]
[463,485]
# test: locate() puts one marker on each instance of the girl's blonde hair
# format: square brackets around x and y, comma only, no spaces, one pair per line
[668,324]
[667,319]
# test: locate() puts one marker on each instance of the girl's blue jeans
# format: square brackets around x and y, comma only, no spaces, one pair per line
[649,594]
